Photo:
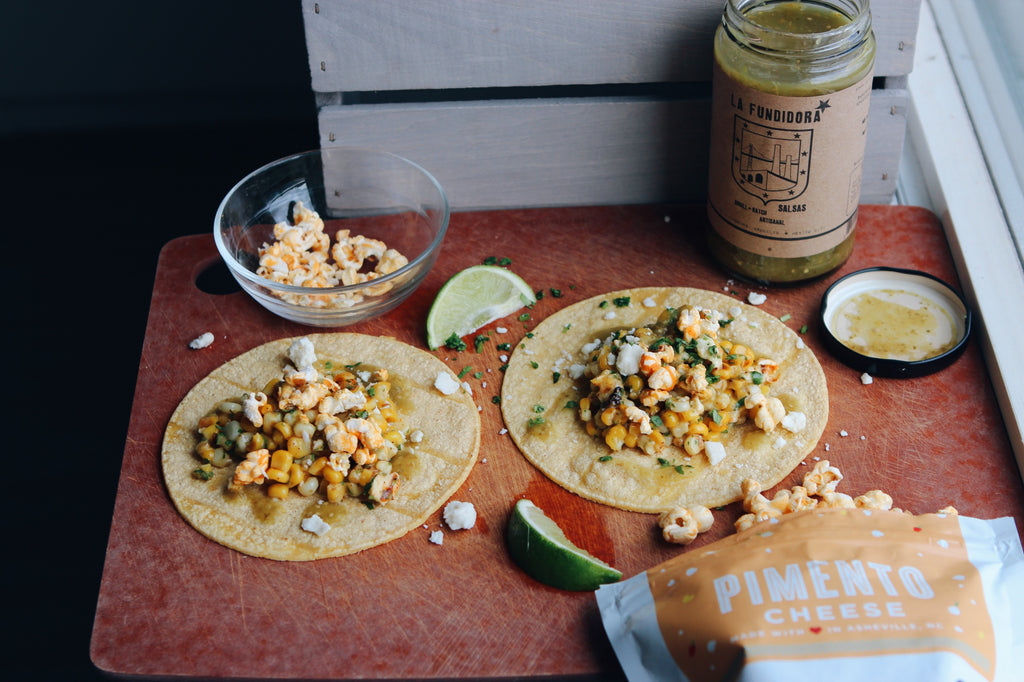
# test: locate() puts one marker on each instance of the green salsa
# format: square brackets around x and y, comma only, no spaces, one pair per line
[791,49]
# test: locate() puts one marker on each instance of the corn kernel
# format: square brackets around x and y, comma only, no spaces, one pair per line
[332,475]
[281,459]
[615,436]
[335,492]
[317,466]
[277,475]
[278,491]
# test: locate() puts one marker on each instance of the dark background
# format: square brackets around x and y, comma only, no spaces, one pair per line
[122,125]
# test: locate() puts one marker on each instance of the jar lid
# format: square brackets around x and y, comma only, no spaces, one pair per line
[894,323]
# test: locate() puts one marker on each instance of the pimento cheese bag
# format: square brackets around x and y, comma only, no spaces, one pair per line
[834,594]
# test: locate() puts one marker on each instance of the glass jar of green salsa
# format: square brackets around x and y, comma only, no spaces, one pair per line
[791,91]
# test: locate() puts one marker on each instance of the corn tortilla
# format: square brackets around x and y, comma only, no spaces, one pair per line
[630,479]
[252,523]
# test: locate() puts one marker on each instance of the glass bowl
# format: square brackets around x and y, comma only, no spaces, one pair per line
[370,193]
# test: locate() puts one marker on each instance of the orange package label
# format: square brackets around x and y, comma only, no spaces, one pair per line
[850,593]
[800,590]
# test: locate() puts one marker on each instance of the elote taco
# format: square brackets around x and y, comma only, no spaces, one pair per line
[654,398]
[319,446]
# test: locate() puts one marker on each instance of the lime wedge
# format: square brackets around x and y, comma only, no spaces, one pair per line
[539,547]
[472,298]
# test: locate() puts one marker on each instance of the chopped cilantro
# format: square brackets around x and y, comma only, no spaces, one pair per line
[203,473]
[503,367]
[538,409]
[604,458]
[566,328]
[491,260]
[479,341]
[539,294]
[555,376]
[533,363]
[621,301]
[464,371]
[496,399]
[504,346]
[656,421]
[571,405]
[602,304]
[756,377]
[478,375]
[557,293]
[535,421]
[803,329]
[453,342]
[505,261]
[524,317]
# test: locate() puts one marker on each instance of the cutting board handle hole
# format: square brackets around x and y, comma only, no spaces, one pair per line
[214,278]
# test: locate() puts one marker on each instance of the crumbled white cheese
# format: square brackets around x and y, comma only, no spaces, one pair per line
[469,389]
[649,302]
[589,348]
[610,315]
[201,341]
[437,537]
[844,433]
[866,378]
[314,524]
[445,383]
[577,370]
[715,451]
[416,436]
[794,422]
[755,298]
[302,354]
[500,330]
[460,515]
[779,443]
[628,359]
[800,343]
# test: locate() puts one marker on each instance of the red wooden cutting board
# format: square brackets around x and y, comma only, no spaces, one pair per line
[173,603]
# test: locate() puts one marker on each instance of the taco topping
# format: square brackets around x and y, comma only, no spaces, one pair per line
[675,381]
[330,434]
[304,255]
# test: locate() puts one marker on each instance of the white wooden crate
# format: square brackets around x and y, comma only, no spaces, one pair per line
[556,102]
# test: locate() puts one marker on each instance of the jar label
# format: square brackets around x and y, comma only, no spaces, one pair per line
[785,172]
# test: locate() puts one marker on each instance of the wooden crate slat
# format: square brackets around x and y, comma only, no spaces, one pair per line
[564,152]
[385,45]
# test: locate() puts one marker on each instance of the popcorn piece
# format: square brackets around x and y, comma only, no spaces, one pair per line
[823,478]
[682,524]
[833,500]
[874,499]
